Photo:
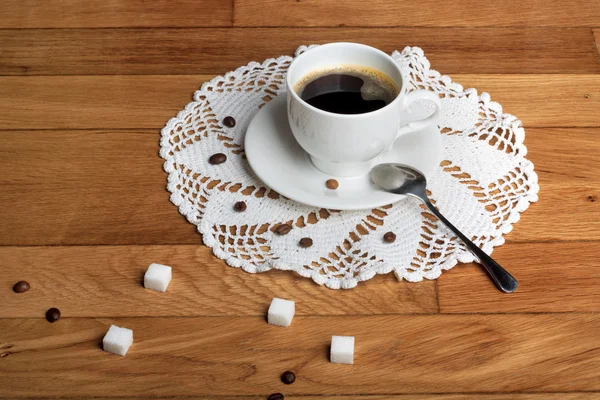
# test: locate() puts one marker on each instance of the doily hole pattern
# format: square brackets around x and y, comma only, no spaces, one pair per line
[482,185]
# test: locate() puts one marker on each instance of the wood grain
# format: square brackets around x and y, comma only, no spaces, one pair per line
[553,277]
[597,39]
[245,356]
[423,13]
[73,102]
[68,187]
[216,51]
[19,14]
[564,154]
[560,100]
[88,102]
[563,160]
[106,281]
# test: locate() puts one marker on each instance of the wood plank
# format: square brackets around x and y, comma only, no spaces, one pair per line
[82,102]
[542,100]
[560,153]
[71,102]
[216,51]
[423,13]
[18,14]
[106,281]
[69,187]
[566,169]
[101,187]
[245,356]
[553,277]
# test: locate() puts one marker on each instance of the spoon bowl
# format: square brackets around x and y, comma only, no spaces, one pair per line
[399,179]
[404,180]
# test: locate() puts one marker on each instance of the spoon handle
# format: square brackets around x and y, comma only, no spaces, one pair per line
[499,275]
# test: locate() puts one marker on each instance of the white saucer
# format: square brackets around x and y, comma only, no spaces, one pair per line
[280,162]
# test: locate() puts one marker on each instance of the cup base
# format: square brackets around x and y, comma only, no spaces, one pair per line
[345,170]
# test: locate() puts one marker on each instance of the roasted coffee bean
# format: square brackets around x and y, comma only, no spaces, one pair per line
[275,396]
[229,122]
[389,237]
[217,159]
[21,287]
[53,314]
[239,206]
[306,242]
[288,377]
[283,229]
[332,184]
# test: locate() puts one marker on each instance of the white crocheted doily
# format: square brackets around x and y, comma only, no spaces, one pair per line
[482,185]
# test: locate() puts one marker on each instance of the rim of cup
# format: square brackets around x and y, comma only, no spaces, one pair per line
[393,103]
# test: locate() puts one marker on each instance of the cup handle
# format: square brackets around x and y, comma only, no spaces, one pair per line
[425,122]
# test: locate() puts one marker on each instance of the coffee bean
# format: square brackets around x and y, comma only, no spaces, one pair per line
[305,242]
[229,122]
[275,396]
[53,314]
[288,377]
[239,206]
[21,287]
[283,229]
[217,159]
[332,184]
[389,237]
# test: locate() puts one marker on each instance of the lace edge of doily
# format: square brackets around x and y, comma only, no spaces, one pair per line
[401,273]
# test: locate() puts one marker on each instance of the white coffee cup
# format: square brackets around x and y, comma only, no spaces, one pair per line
[349,144]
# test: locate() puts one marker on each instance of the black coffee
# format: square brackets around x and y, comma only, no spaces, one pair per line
[347,90]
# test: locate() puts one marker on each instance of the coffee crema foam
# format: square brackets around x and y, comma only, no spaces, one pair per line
[377,85]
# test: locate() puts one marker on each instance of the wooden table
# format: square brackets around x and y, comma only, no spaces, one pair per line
[85,87]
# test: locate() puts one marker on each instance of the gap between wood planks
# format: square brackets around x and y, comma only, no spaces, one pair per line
[528,395]
[516,313]
[575,395]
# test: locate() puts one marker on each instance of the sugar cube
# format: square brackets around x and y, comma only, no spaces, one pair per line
[281,312]
[117,340]
[157,277]
[342,350]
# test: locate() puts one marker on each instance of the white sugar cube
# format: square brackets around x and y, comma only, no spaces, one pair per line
[117,340]
[281,312]
[342,350]
[157,277]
